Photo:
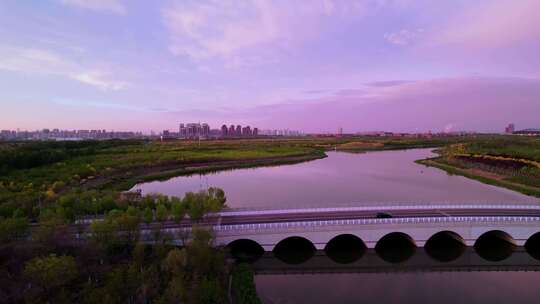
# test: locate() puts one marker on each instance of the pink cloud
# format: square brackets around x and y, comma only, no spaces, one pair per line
[469,103]
[494,24]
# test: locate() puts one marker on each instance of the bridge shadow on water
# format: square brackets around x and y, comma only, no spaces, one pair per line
[394,252]
[372,262]
[396,248]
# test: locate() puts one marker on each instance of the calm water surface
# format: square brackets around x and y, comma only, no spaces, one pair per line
[341,179]
[469,279]
[344,179]
[416,287]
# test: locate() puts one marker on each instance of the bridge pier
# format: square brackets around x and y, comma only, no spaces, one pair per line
[520,242]
[470,243]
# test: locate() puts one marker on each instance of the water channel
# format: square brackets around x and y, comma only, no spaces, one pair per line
[387,177]
[341,179]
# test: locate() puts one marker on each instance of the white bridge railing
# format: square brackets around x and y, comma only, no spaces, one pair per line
[382,207]
[387,221]
[406,220]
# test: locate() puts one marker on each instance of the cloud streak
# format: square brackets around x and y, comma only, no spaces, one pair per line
[403,37]
[494,24]
[34,61]
[248,33]
[108,6]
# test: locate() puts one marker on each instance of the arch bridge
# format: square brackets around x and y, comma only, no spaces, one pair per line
[438,228]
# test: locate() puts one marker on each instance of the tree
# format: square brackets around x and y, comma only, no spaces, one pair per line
[138,255]
[203,258]
[51,272]
[119,287]
[52,230]
[199,204]
[243,285]
[161,212]
[210,291]
[128,225]
[176,262]
[148,216]
[176,291]
[13,228]
[133,211]
[218,195]
[104,233]
[178,209]
[195,205]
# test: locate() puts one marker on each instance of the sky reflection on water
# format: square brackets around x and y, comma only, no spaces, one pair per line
[342,179]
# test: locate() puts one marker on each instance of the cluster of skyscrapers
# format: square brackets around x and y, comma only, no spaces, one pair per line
[57,134]
[203,130]
[238,131]
[192,130]
[185,131]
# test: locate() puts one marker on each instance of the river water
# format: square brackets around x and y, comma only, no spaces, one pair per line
[341,179]
[387,177]
[420,279]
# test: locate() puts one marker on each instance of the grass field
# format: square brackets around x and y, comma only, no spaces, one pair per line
[35,175]
[506,161]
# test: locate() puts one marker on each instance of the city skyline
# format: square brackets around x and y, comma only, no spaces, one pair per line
[182,128]
[399,66]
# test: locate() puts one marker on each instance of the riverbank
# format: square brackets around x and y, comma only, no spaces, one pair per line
[512,162]
[38,174]
[120,168]
[481,176]
[161,173]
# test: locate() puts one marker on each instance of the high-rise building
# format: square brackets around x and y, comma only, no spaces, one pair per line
[192,130]
[255,131]
[224,130]
[246,131]
[182,132]
[232,131]
[510,129]
[205,130]
[238,130]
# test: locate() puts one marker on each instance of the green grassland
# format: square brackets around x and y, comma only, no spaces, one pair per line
[505,161]
[56,183]
[35,175]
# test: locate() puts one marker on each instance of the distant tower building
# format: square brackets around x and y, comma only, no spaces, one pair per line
[224,130]
[205,130]
[232,131]
[182,130]
[246,131]
[255,131]
[238,130]
[510,129]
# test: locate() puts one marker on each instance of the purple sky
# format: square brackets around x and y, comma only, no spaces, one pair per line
[398,65]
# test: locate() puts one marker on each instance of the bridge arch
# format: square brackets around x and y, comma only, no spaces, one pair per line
[532,245]
[395,247]
[245,250]
[495,245]
[345,248]
[445,246]
[294,250]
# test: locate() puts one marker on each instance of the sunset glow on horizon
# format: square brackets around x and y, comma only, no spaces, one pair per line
[315,66]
